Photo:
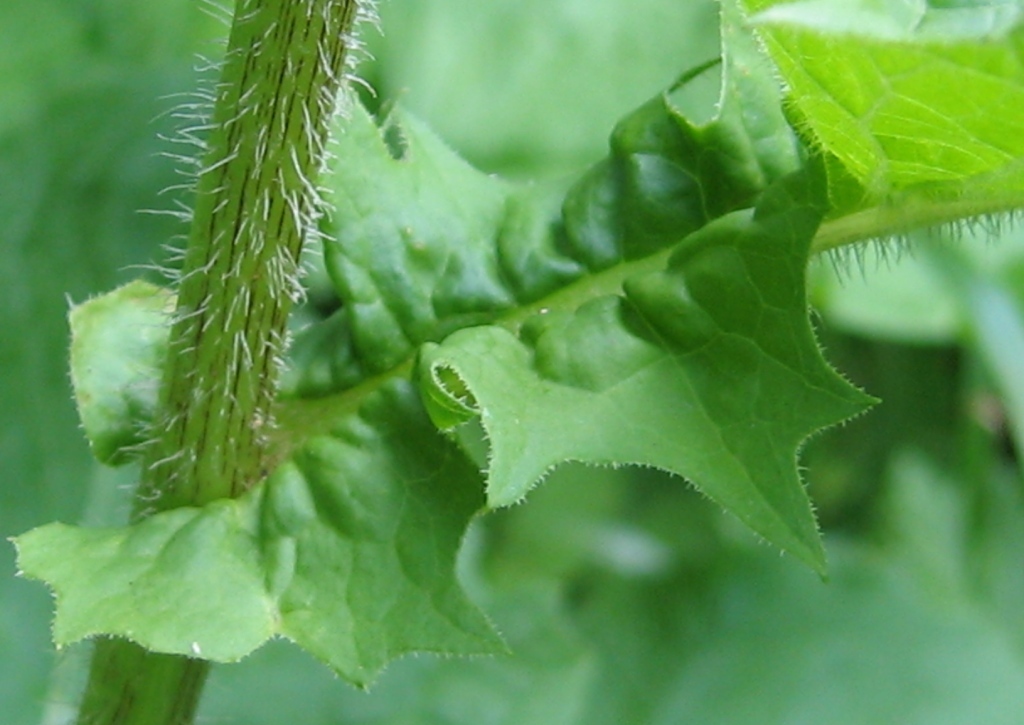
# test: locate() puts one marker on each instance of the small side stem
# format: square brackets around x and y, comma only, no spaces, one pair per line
[256,203]
[897,218]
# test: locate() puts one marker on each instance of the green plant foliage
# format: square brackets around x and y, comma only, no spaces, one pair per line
[118,345]
[716,351]
[349,550]
[469,246]
[624,337]
[547,679]
[688,641]
[871,84]
[422,244]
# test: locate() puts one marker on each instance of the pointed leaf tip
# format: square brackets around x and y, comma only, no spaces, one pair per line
[709,369]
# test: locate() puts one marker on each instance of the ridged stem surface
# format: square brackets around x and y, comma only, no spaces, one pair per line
[256,203]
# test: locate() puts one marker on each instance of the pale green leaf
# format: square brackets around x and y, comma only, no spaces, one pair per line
[348,549]
[709,370]
[118,345]
[908,97]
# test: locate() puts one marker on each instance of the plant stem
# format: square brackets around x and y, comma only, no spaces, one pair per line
[899,218]
[256,203]
[153,688]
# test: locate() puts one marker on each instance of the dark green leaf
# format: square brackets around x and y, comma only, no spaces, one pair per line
[424,244]
[709,370]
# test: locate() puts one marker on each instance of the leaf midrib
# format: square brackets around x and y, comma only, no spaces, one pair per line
[300,419]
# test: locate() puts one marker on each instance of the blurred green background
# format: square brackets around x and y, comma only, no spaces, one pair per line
[626,597]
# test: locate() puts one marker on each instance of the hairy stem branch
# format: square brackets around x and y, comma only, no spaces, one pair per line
[883,221]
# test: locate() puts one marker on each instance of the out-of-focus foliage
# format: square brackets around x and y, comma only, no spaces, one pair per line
[625,597]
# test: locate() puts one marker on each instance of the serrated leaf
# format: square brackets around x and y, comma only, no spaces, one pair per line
[348,549]
[709,370]
[118,345]
[424,244]
[347,568]
[414,239]
[547,680]
[905,95]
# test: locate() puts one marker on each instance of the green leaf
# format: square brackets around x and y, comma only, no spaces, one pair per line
[906,96]
[348,549]
[415,241]
[118,346]
[709,370]
[424,245]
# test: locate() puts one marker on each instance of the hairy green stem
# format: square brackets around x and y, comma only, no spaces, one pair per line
[899,218]
[256,203]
